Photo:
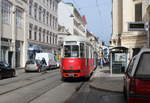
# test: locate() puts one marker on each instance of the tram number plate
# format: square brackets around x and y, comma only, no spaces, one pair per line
[71,75]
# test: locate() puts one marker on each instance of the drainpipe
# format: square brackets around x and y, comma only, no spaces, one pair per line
[14,36]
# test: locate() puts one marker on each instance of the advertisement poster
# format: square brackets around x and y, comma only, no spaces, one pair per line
[120,57]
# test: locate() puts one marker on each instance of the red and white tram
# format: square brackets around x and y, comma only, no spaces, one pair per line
[78,57]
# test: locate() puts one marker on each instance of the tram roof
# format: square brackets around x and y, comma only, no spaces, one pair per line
[76,38]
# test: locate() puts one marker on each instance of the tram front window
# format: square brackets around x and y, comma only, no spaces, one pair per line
[71,51]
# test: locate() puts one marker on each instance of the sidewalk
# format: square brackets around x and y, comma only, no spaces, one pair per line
[103,80]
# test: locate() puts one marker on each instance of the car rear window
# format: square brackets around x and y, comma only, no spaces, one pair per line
[30,62]
[143,68]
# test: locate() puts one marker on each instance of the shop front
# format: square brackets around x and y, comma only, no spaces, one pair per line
[32,50]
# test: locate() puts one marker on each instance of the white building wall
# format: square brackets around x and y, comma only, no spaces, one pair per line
[128,13]
[66,18]
[64,13]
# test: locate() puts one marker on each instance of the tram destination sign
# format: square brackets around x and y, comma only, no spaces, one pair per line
[137,26]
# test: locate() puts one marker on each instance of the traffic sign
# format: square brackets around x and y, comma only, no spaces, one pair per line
[137,26]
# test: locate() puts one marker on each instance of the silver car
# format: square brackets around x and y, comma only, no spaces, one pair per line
[34,65]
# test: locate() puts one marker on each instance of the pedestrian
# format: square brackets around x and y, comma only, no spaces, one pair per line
[44,64]
[101,63]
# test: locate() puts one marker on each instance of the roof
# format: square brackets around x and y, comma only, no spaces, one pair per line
[76,38]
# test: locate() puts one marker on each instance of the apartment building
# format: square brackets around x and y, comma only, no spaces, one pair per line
[43,27]
[70,18]
[13,30]
[125,11]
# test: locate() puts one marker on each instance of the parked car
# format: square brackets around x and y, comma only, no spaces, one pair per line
[49,58]
[34,65]
[6,70]
[137,78]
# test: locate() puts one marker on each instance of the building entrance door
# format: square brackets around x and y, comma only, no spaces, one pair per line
[10,54]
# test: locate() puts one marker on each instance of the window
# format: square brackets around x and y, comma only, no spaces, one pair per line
[47,38]
[35,11]
[50,20]
[53,5]
[47,18]
[138,12]
[47,35]
[56,6]
[50,3]
[19,18]
[30,31]
[6,12]
[30,7]
[30,34]
[40,13]
[71,51]
[50,37]
[35,33]
[53,38]
[143,65]
[56,23]
[82,50]
[40,34]
[56,40]
[67,51]
[53,21]
[43,35]
[44,16]
[47,2]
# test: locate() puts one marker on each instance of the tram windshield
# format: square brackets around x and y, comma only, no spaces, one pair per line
[71,51]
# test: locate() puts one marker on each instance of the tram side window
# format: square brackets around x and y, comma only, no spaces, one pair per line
[82,50]
[87,52]
[67,51]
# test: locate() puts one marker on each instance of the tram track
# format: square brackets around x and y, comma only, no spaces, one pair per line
[26,78]
[55,84]
[29,82]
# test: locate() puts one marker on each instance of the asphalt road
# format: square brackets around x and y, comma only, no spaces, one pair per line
[36,88]
[48,88]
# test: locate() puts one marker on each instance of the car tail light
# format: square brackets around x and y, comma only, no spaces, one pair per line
[38,65]
[132,86]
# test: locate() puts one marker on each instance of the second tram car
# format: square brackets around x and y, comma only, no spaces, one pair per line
[78,57]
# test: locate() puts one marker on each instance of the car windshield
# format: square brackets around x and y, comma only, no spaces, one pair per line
[143,68]
[4,64]
[30,62]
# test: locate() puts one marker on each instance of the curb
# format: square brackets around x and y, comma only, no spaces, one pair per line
[103,89]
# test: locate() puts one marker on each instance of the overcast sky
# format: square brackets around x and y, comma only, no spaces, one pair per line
[98,15]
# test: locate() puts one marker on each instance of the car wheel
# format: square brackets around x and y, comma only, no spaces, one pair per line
[0,77]
[39,70]
[26,71]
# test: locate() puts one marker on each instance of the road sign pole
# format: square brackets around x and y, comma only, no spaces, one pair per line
[148,35]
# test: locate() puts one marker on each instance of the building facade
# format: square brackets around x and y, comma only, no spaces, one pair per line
[13,30]
[43,26]
[125,11]
[70,18]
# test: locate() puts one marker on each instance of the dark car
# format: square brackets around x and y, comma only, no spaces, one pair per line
[137,78]
[6,70]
